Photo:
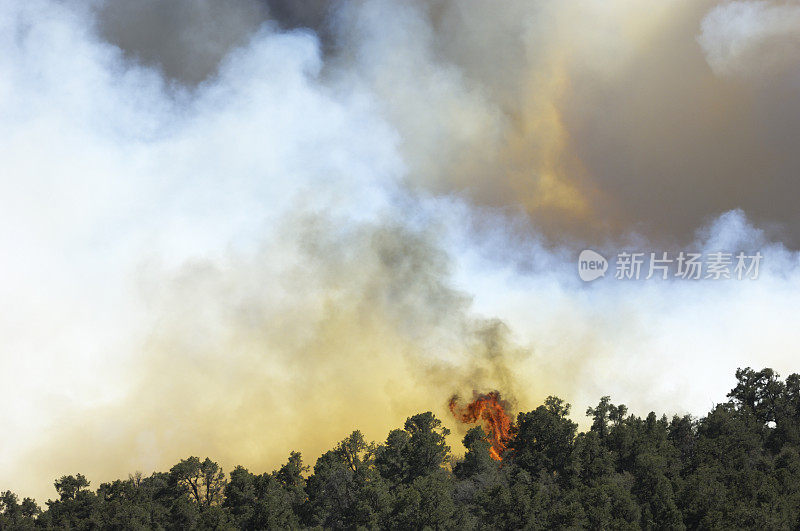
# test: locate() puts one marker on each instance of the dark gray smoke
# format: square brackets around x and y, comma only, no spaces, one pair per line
[187,39]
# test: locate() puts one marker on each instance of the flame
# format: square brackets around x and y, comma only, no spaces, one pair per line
[490,410]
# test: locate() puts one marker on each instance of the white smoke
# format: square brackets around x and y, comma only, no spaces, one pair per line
[752,38]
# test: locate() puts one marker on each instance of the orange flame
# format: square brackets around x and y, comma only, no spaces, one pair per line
[490,410]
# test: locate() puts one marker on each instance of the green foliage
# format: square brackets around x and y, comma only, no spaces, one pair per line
[202,481]
[265,501]
[346,489]
[477,460]
[16,515]
[426,449]
[736,468]
[544,439]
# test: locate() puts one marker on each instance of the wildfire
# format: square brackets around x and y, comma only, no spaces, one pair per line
[490,410]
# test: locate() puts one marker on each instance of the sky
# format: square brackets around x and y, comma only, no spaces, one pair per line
[241,228]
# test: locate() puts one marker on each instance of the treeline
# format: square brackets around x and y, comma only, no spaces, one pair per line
[737,467]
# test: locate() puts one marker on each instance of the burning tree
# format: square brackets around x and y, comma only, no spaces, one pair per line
[492,412]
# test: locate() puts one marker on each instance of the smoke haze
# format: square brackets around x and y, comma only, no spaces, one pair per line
[238,228]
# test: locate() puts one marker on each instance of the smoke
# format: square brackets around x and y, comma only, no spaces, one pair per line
[236,229]
[752,38]
[187,39]
[594,118]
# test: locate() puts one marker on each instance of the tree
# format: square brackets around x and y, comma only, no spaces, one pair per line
[427,448]
[69,487]
[77,507]
[605,412]
[420,448]
[544,439]
[426,503]
[259,501]
[391,458]
[290,478]
[15,515]
[477,459]
[203,481]
[346,489]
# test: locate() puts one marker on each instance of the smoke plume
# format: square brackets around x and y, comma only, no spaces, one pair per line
[242,228]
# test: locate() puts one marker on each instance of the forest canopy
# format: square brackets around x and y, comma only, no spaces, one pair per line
[736,467]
